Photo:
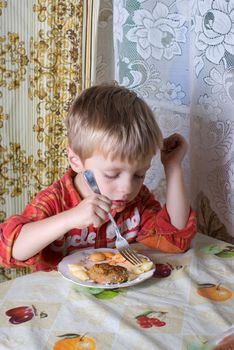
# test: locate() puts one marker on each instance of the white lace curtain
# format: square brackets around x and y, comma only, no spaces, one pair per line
[179,56]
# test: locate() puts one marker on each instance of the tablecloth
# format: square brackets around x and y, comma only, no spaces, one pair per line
[189,300]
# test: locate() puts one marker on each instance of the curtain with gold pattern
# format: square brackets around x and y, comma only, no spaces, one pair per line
[44,45]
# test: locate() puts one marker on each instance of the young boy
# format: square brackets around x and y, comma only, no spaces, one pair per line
[112,132]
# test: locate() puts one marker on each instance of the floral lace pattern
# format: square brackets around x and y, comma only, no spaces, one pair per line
[179,56]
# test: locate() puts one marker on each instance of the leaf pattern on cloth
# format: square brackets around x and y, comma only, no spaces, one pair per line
[209,222]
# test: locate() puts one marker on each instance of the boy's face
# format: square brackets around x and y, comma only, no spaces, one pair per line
[119,181]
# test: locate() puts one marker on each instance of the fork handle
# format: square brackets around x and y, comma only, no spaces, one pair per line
[114,225]
[90,179]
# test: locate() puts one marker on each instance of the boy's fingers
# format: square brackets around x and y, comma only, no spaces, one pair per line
[102,198]
[96,222]
[104,205]
[168,144]
[101,213]
[172,142]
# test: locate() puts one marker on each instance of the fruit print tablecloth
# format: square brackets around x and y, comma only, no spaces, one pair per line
[189,300]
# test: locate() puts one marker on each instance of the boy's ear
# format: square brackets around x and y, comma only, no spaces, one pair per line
[74,161]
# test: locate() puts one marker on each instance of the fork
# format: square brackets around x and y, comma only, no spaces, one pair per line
[121,243]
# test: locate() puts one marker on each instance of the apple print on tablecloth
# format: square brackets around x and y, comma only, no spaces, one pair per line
[71,341]
[21,314]
[215,292]
[165,270]
[148,319]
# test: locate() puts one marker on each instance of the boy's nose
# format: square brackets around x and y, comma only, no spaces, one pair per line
[125,187]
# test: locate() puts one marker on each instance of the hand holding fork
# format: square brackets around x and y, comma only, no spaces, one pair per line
[121,243]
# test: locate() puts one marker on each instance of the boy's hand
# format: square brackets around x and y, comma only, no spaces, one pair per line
[90,211]
[174,150]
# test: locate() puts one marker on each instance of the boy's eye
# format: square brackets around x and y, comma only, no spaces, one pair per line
[114,176]
[139,177]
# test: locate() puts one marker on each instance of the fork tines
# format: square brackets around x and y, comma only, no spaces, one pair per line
[131,256]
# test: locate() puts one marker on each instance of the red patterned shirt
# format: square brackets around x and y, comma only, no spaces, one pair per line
[143,220]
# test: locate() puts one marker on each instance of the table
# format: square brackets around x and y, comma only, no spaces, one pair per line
[181,311]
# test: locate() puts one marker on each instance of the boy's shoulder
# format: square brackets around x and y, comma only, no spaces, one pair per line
[66,181]
[145,191]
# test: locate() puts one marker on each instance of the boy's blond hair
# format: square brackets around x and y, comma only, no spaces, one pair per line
[112,120]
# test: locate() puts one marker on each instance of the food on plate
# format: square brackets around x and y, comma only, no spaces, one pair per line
[101,256]
[79,271]
[109,255]
[106,273]
[97,256]
[143,267]
[118,259]
[108,267]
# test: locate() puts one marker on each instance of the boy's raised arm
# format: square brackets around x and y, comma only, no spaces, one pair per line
[177,203]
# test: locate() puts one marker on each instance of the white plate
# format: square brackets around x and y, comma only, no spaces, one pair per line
[80,257]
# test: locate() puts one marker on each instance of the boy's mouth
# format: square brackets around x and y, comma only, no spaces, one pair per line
[119,203]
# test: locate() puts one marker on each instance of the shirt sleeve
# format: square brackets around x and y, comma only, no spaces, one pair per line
[157,232]
[42,206]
